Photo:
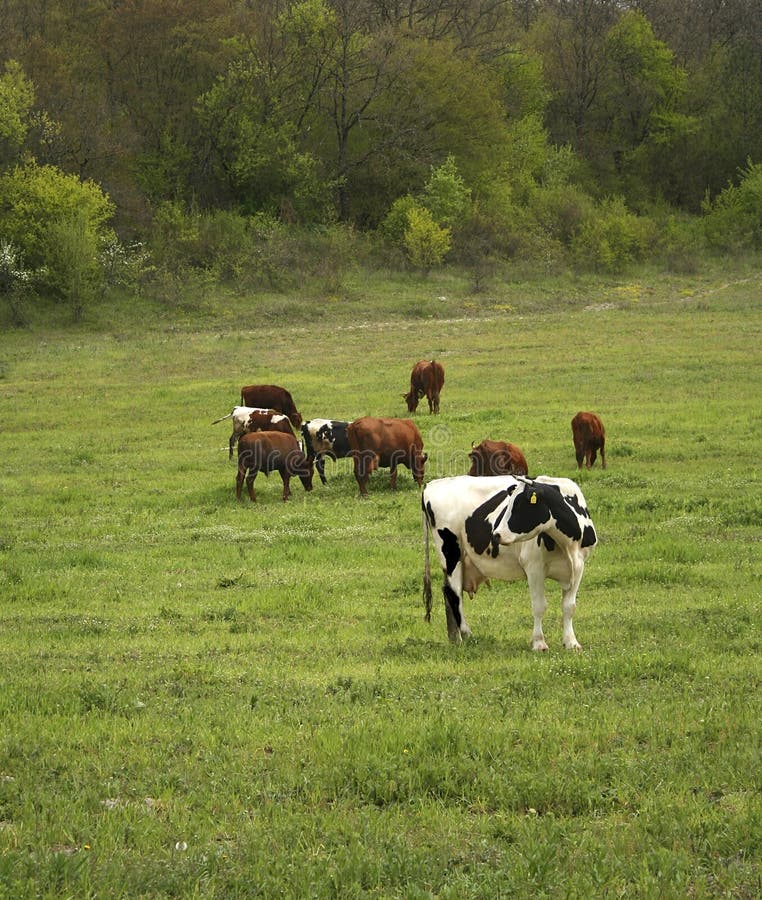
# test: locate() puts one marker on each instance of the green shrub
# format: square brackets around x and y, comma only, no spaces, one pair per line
[426,242]
[611,237]
[733,221]
[446,196]
[58,223]
[35,199]
[175,236]
[559,210]
[397,220]
[74,270]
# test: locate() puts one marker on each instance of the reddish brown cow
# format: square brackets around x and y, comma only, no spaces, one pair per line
[589,436]
[271,396]
[426,380]
[497,458]
[385,442]
[271,451]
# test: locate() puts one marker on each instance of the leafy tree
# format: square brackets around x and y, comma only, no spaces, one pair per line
[640,110]
[255,147]
[16,99]
[570,37]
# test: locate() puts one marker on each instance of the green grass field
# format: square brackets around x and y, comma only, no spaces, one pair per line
[204,698]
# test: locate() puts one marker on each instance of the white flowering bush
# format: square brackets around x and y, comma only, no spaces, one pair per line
[128,265]
[14,281]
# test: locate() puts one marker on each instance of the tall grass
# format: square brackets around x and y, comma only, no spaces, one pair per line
[209,698]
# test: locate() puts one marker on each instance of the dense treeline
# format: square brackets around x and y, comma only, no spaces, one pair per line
[218,133]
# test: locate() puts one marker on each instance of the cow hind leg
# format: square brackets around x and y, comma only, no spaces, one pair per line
[286,485]
[536,582]
[457,627]
[239,482]
[250,486]
[569,605]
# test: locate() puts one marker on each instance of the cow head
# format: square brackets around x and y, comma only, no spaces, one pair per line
[419,461]
[477,462]
[303,466]
[411,398]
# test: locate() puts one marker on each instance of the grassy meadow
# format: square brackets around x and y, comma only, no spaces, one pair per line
[204,698]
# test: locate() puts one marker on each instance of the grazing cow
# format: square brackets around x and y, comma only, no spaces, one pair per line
[325,437]
[271,451]
[497,458]
[385,442]
[507,528]
[241,416]
[270,395]
[589,436]
[426,380]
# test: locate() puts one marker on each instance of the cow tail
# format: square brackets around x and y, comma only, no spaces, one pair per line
[426,568]
[228,416]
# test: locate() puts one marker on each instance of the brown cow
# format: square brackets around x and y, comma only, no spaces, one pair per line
[385,442]
[589,436]
[426,380]
[497,458]
[271,396]
[247,418]
[271,451]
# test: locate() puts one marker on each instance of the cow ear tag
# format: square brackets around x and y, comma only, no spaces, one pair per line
[533,498]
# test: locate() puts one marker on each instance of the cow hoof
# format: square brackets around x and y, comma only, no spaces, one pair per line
[577,648]
[540,646]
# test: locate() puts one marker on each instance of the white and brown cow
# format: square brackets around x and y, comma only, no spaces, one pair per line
[254,418]
[325,437]
[508,528]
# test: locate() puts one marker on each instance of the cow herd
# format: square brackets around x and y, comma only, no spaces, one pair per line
[495,522]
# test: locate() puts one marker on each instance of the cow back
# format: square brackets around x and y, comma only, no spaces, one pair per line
[383,436]
[497,458]
[270,451]
[271,396]
[587,427]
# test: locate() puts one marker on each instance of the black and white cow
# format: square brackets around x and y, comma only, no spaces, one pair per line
[324,437]
[507,527]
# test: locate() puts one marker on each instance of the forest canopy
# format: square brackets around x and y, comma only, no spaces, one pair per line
[588,131]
